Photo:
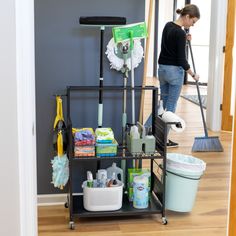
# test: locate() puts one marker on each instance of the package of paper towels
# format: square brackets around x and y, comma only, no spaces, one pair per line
[169,116]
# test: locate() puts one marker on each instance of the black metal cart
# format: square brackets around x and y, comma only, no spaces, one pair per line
[157,196]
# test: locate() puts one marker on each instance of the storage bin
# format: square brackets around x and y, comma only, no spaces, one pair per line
[106,149]
[102,199]
[139,146]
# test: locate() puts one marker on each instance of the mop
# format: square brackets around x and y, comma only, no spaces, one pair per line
[125,50]
[127,34]
[206,143]
[125,71]
[102,22]
[119,57]
[124,34]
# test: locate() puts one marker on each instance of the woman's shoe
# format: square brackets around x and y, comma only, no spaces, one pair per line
[171,144]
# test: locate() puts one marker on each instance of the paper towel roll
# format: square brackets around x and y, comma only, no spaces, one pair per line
[169,116]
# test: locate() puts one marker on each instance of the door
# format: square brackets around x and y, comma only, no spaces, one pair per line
[228,68]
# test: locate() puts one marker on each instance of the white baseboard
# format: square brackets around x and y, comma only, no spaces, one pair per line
[52,199]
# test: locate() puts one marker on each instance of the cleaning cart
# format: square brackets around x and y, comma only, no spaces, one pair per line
[156,202]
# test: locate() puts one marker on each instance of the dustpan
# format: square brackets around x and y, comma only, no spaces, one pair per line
[60,163]
[59,125]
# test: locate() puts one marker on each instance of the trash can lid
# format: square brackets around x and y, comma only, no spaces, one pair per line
[185,163]
[185,173]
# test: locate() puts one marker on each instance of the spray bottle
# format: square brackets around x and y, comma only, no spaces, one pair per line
[89,179]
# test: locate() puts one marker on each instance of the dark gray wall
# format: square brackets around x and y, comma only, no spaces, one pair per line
[68,54]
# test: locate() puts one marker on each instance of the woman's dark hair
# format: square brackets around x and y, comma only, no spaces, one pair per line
[191,10]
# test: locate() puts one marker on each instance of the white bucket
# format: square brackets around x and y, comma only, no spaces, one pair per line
[102,199]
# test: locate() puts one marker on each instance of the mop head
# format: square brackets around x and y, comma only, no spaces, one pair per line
[116,62]
[207,144]
[60,174]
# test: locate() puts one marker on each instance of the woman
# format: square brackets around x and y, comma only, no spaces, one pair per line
[172,60]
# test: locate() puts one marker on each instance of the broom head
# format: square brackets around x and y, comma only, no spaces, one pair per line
[207,144]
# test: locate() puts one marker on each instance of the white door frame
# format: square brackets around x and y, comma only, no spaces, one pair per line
[216,64]
[18,215]
[25,73]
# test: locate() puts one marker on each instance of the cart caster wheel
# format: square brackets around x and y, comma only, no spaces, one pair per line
[66,205]
[72,225]
[164,221]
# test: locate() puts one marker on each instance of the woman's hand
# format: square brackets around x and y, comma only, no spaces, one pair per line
[193,75]
[196,77]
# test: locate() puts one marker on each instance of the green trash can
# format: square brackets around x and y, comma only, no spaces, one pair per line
[183,173]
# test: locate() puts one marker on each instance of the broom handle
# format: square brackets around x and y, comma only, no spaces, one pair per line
[145,67]
[198,92]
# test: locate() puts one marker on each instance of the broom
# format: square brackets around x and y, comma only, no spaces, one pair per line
[206,143]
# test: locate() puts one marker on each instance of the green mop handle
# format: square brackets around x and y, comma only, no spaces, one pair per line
[131,35]
[198,92]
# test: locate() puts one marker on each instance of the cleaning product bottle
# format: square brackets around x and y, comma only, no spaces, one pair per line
[101,177]
[114,169]
[103,181]
[89,179]
[134,134]
[112,182]
[140,189]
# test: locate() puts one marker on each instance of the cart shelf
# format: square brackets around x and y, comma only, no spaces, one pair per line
[127,209]
[120,156]
[157,198]
[117,158]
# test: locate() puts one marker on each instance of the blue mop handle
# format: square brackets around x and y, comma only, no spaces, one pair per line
[198,92]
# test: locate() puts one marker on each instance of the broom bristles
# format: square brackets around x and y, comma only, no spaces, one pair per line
[207,144]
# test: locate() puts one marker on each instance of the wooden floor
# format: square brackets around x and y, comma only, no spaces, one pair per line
[208,217]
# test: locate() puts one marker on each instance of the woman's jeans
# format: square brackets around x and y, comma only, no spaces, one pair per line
[171,80]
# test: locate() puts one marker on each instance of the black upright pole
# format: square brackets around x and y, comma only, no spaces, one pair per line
[174,9]
[100,105]
[186,51]
[155,38]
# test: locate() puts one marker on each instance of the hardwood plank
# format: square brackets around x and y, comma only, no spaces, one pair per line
[232,212]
